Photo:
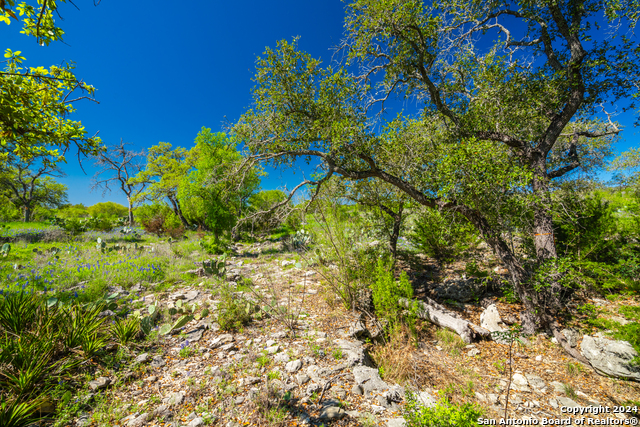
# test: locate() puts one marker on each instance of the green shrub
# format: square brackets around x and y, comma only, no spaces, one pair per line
[213,247]
[125,330]
[586,228]
[108,210]
[386,292]
[233,312]
[444,414]
[442,236]
[41,342]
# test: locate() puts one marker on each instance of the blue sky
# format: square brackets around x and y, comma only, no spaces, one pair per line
[164,70]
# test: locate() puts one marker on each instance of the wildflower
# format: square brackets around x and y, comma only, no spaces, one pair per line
[75,294]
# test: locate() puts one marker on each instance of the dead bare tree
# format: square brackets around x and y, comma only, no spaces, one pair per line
[120,165]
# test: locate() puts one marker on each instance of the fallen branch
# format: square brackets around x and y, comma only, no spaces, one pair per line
[436,313]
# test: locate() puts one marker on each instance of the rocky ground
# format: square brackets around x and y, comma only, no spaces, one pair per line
[322,370]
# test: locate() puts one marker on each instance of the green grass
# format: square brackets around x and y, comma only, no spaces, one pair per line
[26,225]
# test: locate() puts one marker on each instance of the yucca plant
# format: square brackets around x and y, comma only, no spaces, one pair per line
[17,411]
[81,325]
[125,330]
[91,343]
[18,310]
[26,378]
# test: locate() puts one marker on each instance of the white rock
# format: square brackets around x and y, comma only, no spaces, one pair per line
[490,319]
[293,366]
[273,349]
[558,387]
[610,357]
[196,422]
[519,382]
[536,382]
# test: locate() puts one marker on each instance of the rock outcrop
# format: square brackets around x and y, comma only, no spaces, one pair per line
[610,357]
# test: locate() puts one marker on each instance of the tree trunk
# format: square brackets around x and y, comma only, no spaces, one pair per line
[183,220]
[550,297]
[130,212]
[27,213]
[395,233]
[519,276]
[176,210]
[543,221]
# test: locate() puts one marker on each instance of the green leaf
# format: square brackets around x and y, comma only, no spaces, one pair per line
[183,320]
[165,329]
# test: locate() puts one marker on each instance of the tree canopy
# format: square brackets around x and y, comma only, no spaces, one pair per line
[511,96]
[36,102]
[30,184]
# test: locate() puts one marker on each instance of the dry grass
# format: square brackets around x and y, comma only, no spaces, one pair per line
[395,358]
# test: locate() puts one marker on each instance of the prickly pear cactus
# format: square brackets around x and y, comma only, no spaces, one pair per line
[6,248]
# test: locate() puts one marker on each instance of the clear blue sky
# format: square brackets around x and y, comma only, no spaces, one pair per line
[163,69]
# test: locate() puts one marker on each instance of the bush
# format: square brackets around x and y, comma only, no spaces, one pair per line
[386,292]
[443,414]
[233,312]
[39,347]
[72,211]
[8,211]
[585,228]
[159,219]
[108,210]
[443,236]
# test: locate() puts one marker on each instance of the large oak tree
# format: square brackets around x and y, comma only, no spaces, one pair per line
[511,95]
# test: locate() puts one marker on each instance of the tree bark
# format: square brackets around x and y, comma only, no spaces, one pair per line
[520,279]
[176,209]
[27,213]
[543,221]
[130,211]
[395,233]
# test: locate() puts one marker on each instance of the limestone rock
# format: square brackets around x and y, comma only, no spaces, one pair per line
[490,319]
[354,352]
[302,378]
[426,399]
[142,358]
[558,387]
[461,290]
[99,383]
[138,421]
[273,349]
[158,362]
[565,401]
[611,357]
[175,399]
[281,358]
[571,336]
[195,335]
[196,422]
[369,379]
[536,382]
[293,366]
[358,331]
[519,382]
[332,413]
